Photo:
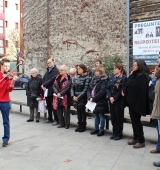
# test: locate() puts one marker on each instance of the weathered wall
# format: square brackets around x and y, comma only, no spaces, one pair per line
[73,31]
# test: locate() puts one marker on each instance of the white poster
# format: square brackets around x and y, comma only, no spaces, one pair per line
[146,41]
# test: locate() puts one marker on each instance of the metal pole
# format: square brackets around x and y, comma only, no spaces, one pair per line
[128,17]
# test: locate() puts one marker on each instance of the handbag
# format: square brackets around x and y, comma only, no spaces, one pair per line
[34,95]
[41,106]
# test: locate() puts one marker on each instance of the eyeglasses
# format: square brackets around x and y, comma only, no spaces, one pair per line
[49,63]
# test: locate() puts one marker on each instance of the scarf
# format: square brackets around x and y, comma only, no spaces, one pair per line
[64,85]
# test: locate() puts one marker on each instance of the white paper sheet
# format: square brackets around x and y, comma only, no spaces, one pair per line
[46,93]
[91,105]
[54,94]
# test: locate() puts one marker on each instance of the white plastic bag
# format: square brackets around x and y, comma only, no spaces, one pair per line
[41,106]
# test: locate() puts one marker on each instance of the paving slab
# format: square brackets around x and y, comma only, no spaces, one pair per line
[38,146]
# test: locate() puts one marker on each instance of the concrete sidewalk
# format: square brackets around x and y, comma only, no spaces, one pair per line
[38,146]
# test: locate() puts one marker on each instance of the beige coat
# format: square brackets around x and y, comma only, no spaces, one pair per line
[156,105]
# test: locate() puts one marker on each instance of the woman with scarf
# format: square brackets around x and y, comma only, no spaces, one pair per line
[79,95]
[115,86]
[97,93]
[136,92]
[61,97]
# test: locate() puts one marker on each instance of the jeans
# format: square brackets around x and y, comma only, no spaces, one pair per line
[5,110]
[99,120]
[158,142]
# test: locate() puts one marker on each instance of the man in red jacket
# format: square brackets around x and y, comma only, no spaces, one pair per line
[6,85]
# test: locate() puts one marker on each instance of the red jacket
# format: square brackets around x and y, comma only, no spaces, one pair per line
[5,88]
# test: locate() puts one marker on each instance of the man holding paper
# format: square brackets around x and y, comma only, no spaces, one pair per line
[47,84]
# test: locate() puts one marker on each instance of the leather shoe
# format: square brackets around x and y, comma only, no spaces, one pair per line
[112,137]
[118,138]
[157,164]
[30,120]
[139,145]
[47,121]
[154,151]
[94,132]
[60,126]
[133,142]
[100,133]
[66,126]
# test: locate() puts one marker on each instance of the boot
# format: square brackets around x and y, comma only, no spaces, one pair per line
[79,127]
[83,127]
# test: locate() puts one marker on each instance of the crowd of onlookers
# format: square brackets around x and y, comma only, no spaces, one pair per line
[140,92]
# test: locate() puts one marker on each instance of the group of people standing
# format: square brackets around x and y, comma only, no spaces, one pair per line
[111,94]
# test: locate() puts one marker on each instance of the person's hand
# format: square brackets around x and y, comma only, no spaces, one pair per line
[75,98]
[112,100]
[58,95]
[44,89]
[91,100]
[15,78]
[123,94]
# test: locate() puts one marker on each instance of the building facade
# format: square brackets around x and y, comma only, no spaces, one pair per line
[74,31]
[2,29]
[12,27]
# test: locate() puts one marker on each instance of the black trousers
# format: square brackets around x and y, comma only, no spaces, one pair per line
[137,126]
[49,100]
[81,114]
[117,117]
[63,115]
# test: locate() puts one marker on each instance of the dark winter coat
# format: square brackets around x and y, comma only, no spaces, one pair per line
[156,104]
[65,91]
[114,88]
[100,85]
[79,88]
[49,79]
[34,85]
[136,93]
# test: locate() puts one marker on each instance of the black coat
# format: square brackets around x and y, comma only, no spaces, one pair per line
[114,88]
[79,88]
[49,79]
[34,84]
[136,93]
[100,85]
[65,91]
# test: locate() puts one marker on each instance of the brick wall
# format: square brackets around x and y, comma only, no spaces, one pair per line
[73,31]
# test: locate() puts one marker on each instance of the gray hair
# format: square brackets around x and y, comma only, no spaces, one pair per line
[64,67]
[34,70]
[72,71]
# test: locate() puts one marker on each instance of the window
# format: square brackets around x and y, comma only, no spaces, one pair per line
[1,23]
[6,4]
[1,6]
[1,30]
[16,25]
[1,50]
[1,43]
[16,6]
[6,43]
[1,2]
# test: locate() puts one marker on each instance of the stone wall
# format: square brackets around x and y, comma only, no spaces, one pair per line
[73,31]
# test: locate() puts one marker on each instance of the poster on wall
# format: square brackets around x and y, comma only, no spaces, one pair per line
[146,41]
